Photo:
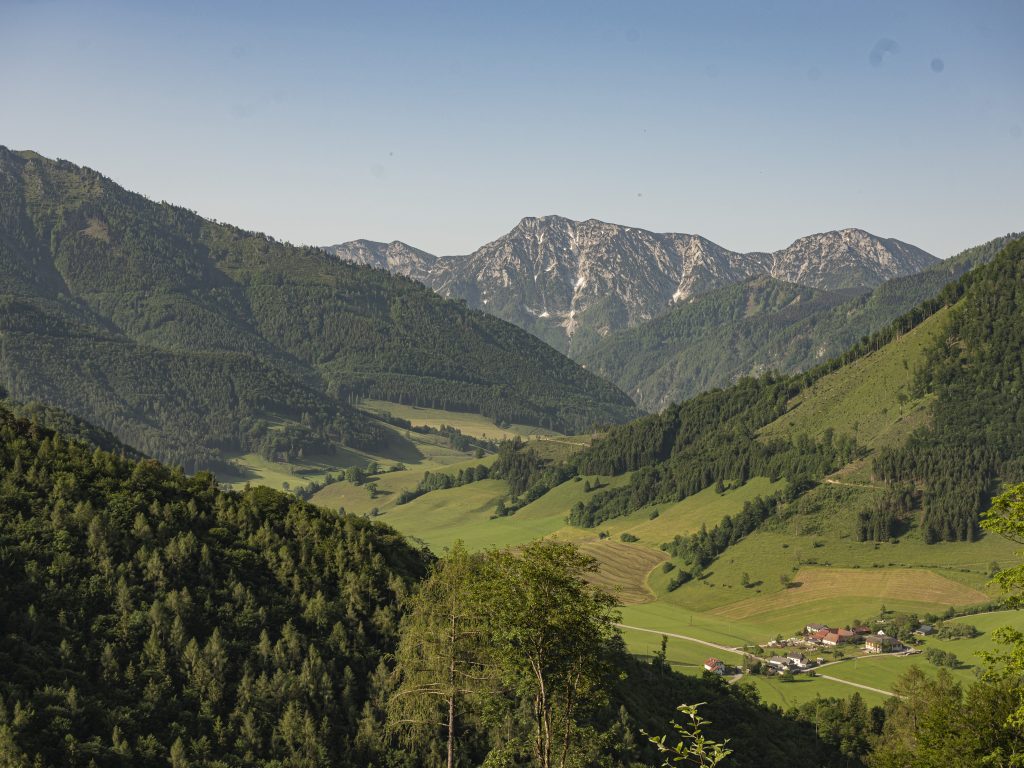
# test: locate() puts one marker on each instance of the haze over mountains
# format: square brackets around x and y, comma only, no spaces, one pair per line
[573,282]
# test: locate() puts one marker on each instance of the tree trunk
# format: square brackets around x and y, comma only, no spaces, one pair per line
[451,732]
[451,697]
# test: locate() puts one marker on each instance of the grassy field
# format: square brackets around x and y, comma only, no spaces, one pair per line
[253,468]
[879,672]
[774,690]
[870,398]
[441,517]
[416,451]
[815,585]
[687,516]
[471,424]
[623,568]
[419,451]
[684,655]
[359,499]
[835,579]
[664,617]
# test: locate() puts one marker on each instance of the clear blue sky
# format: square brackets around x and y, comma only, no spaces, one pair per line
[442,124]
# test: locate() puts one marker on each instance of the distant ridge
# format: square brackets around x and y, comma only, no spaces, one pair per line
[573,282]
[759,325]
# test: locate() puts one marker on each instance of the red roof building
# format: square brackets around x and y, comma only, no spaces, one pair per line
[715,666]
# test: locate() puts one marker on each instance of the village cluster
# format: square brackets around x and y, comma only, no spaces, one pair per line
[820,636]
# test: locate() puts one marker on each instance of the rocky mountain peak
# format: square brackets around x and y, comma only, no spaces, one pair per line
[847,258]
[396,256]
[558,277]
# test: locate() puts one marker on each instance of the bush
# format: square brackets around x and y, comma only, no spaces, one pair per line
[678,580]
[941,658]
[629,538]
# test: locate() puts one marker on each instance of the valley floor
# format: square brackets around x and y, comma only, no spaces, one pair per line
[742,600]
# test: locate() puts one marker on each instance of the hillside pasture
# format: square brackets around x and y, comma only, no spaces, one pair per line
[359,499]
[470,424]
[688,515]
[870,398]
[623,568]
[814,585]
[421,452]
[440,518]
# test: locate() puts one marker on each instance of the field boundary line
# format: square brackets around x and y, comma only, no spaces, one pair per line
[708,643]
[856,685]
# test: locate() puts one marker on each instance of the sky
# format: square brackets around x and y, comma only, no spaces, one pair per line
[442,124]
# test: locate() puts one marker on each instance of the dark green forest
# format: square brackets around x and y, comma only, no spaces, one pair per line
[976,372]
[187,338]
[757,326]
[148,617]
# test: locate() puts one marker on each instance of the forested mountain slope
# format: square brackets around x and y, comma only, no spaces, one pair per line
[763,324]
[966,397]
[185,337]
[975,372]
[148,618]
[573,282]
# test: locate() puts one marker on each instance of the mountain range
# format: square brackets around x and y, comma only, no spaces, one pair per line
[573,282]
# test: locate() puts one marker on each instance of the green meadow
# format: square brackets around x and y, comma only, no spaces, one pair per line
[471,424]
[415,451]
[802,688]
[882,671]
[870,398]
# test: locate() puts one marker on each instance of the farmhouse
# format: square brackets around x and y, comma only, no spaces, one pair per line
[882,643]
[837,636]
[820,635]
[924,629]
[780,663]
[715,666]
[798,660]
